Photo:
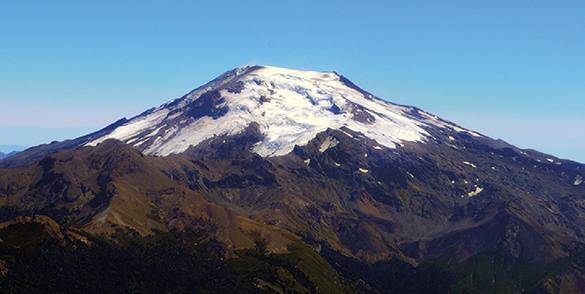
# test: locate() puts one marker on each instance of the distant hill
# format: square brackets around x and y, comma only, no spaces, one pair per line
[9,150]
[6,155]
[6,149]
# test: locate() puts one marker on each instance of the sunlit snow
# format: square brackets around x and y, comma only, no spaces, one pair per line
[290,108]
[578,180]
[329,142]
[475,192]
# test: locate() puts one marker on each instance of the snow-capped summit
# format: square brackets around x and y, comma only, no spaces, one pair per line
[338,165]
[289,106]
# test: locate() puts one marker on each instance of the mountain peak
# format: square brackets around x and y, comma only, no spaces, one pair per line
[261,72]
[271,69]
[290,107]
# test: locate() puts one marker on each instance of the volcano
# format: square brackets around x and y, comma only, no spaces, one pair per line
[310,158]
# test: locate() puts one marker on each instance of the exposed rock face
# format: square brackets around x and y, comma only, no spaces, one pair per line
[368,201]
[306,156]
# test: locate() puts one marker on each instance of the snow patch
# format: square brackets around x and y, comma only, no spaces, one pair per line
[578,180]
[461,130]
[329,142]
[134,127]
[435,120]
[475,192]
[347,134]
[173,116]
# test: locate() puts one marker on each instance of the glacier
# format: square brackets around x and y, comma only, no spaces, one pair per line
[290,107]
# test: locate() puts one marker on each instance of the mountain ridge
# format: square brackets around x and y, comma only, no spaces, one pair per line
[332,179]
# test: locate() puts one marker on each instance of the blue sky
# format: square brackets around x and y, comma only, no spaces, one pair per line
[510,69]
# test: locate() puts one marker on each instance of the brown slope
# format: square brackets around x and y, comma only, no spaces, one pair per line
[365,201]
[111,187]
[370,206]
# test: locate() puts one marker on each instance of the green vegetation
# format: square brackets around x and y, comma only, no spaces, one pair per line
[393,276]
[34,260]
[404,196]
[176,262]
[491,272]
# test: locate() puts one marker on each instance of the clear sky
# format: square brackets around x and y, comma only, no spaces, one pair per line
[510,69]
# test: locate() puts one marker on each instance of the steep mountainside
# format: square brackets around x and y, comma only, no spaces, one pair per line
[296,157]
[289,107]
